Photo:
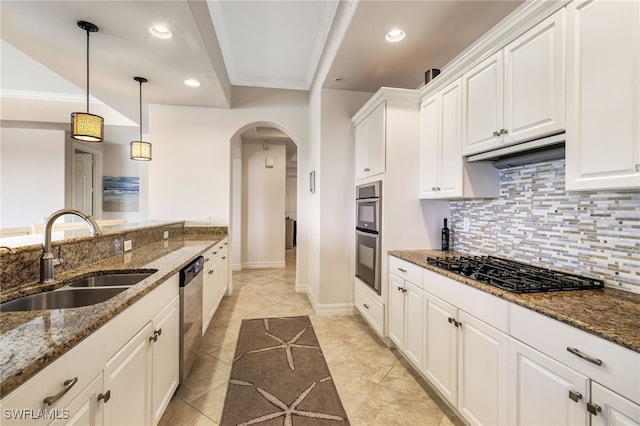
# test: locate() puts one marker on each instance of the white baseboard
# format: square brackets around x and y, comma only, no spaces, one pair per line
[332,309]
[301,288]
[263,265]
[236,267]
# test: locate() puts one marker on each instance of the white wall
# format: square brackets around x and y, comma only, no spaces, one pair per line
[292,197]
[263,206]
[190,174]
[331,208]
[32,175]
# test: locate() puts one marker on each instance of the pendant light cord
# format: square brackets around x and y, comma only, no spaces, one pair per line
[140,110]
[87,71]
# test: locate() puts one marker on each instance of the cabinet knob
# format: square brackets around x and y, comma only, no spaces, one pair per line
[367,169]
[68,384]
[104,396]
[637,167]
[206,259]
[503,131]
[211,272]
[366,306]
[399,288]
[496,134]
[402,270]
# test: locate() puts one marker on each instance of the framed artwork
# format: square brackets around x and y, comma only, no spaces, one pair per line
[120,193]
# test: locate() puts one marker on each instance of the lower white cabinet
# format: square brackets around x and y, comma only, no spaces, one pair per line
[216,271]
[543,391]
[127,380]
[369,306]
[482,372]
[165,358]
[141,378]
[405,320]
[441,346]
[465,359]
[124,373]
[85,409]
[607,408]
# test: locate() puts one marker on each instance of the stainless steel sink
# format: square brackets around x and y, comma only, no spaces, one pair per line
[109,280]
[62,299]
[80,292]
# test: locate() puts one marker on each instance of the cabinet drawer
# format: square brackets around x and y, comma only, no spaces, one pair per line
[484,306]
[370,308]
[405,270]
[620,369]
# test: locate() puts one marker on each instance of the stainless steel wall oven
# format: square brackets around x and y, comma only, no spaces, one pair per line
[368,233]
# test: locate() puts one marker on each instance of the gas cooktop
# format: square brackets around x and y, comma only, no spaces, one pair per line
[513,276]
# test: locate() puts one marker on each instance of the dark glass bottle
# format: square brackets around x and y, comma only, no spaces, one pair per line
[445,236]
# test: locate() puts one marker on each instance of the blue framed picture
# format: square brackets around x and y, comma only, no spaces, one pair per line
[121,193]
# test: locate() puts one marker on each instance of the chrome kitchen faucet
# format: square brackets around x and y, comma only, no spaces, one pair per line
[47,261]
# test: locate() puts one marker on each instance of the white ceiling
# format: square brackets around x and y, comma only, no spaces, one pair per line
[224,43]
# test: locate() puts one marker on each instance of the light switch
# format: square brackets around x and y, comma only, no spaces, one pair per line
[269,162]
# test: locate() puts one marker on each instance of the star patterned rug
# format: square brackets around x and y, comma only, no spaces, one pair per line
[280,377]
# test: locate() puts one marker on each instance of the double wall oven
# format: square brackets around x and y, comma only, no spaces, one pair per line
[368,233]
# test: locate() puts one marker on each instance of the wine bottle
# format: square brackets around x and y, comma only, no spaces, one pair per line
[445,236]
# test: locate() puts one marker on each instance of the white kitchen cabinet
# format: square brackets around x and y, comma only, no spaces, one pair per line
[603,95]
[444,173]
[142,377]
[405,318]
[107,378]
[517,94]
[607,408]
[482,115]
[543,391]
[482,375]
[215,281]
[441,346]
[127,379]
[85,409]
[370,140]
[165,357]
[370,307]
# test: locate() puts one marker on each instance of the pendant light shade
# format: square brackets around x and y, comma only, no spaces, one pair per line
[140,150]
[84,126]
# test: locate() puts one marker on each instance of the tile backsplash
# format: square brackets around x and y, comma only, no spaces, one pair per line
[537,222]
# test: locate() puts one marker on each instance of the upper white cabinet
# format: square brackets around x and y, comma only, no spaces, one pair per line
[370,144]
[518,94]
[603,92]
[444,173]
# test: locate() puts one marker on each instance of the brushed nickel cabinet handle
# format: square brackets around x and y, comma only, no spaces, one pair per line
[402,270]
[593,408]
[68,384]
[584,356]
[575,396]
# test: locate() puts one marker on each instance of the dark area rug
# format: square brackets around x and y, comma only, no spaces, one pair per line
[280,377]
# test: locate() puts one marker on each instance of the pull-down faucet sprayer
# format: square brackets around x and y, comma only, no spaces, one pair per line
[47,261]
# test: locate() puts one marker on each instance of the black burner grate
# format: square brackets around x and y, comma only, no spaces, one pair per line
[513,276]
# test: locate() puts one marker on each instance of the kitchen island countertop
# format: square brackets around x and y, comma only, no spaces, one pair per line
[31,340]
[608,313]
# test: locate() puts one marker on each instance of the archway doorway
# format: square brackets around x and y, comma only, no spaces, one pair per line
[264,171]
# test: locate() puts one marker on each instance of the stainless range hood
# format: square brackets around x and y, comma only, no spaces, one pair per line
[535,151]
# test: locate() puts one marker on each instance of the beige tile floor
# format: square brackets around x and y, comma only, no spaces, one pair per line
[376,385]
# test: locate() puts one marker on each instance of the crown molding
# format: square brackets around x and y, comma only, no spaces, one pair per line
[46,96]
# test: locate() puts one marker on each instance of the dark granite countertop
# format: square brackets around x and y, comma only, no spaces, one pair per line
[29,341]
[611,314]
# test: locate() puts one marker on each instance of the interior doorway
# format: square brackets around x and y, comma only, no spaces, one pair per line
[83,181]
[264,204]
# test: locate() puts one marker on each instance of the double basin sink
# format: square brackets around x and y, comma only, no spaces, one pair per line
[80,292]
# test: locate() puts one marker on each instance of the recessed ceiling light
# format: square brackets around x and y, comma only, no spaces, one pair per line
[192,83]
[160,31]
[394,35]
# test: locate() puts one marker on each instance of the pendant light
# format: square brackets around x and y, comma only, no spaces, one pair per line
[84,126]
[140,150]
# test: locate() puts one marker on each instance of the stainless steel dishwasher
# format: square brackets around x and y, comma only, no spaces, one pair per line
[191,281]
